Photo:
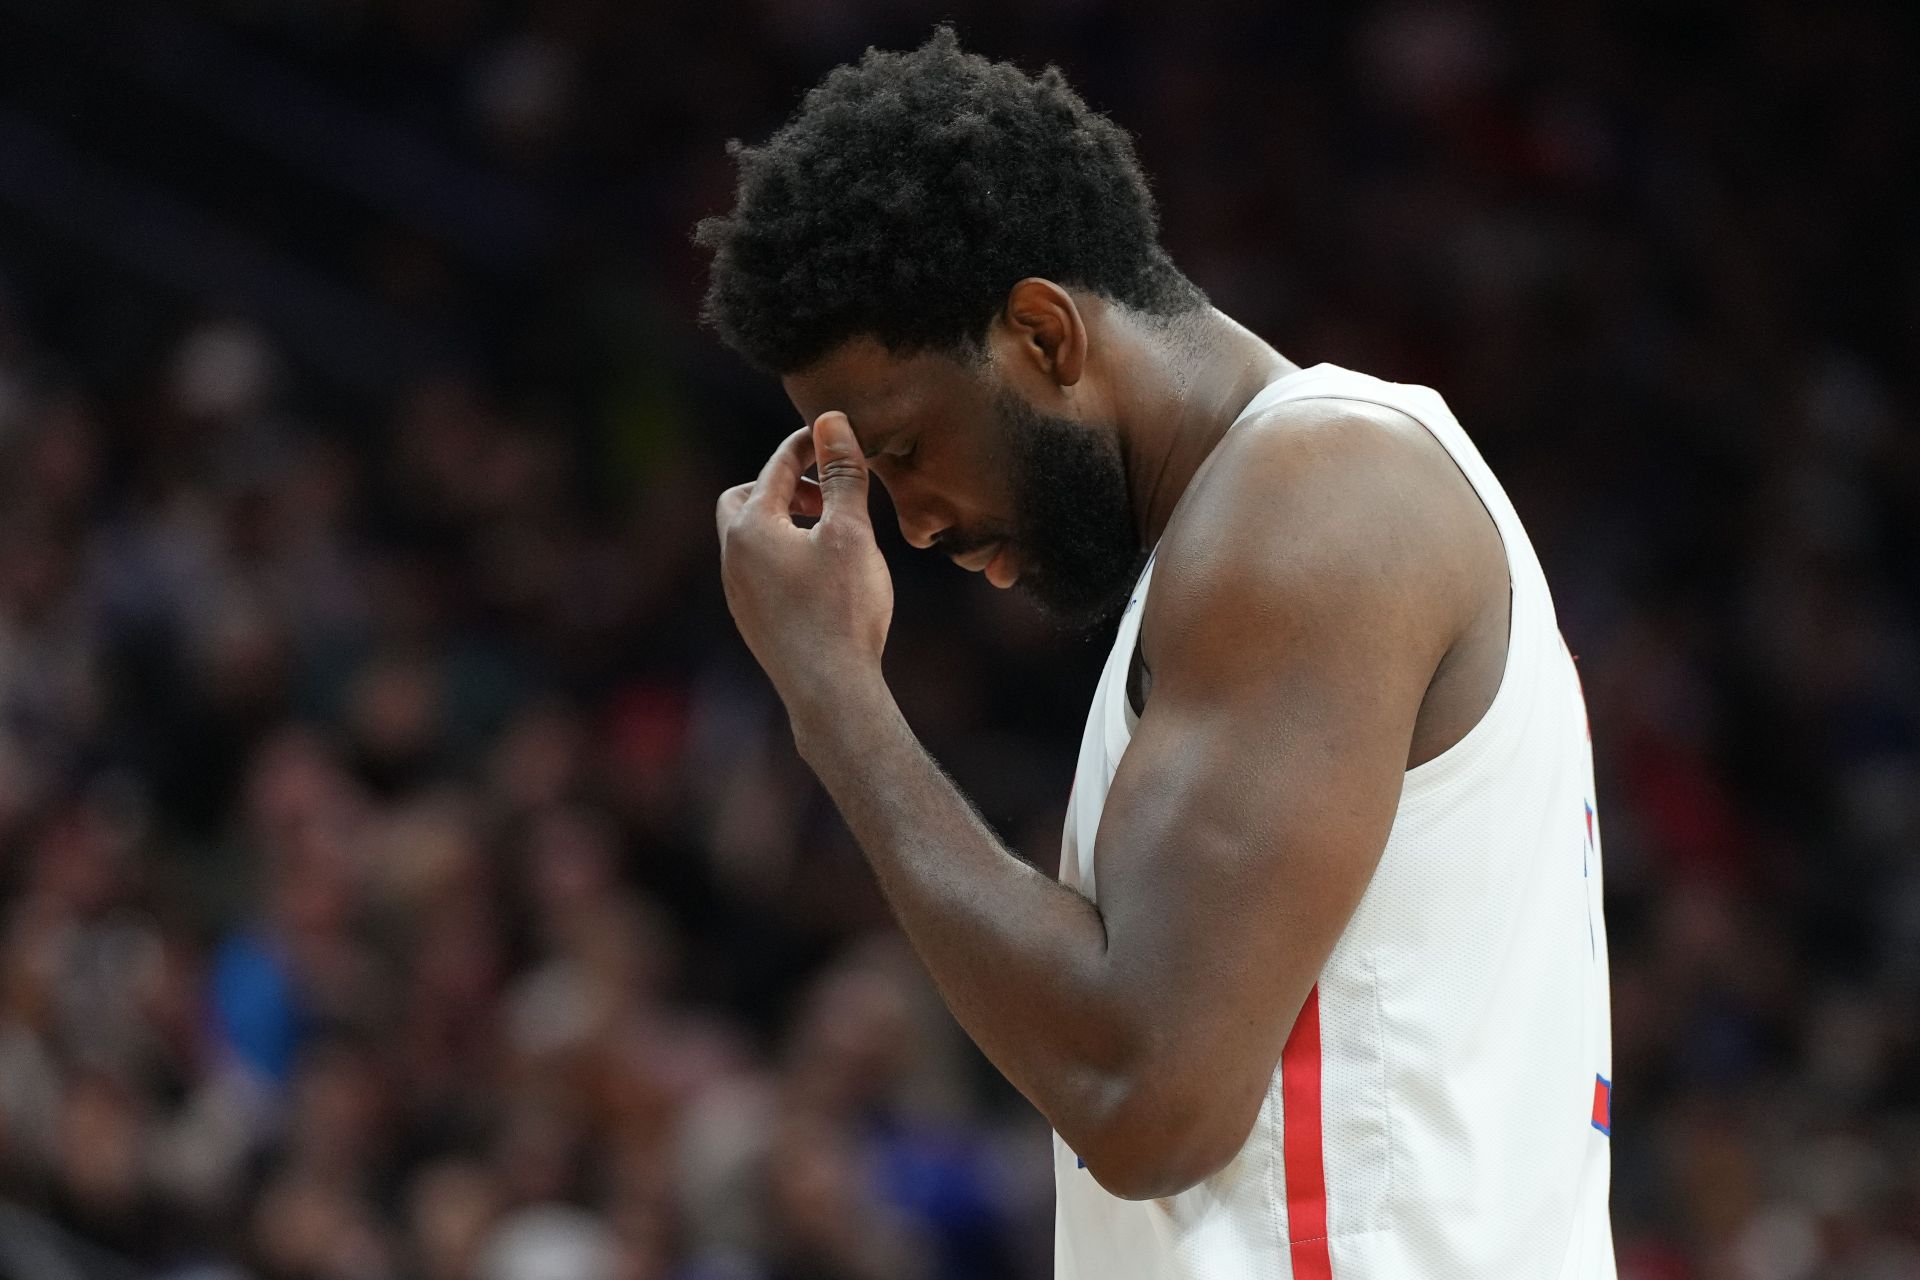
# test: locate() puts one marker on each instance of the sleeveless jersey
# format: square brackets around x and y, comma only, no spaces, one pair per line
[1442,1105]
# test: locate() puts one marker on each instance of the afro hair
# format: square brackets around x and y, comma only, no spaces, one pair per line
[908,195]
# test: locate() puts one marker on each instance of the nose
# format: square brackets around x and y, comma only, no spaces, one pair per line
[919,527]
[923,515]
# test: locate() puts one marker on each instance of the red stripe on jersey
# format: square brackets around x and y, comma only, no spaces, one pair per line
[1302,1152]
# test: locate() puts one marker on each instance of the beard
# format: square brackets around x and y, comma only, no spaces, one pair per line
[1079,553]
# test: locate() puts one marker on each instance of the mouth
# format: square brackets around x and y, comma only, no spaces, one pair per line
[1000,570]
[977,562]
[995,559]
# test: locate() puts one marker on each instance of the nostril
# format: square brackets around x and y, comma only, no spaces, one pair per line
[920,536]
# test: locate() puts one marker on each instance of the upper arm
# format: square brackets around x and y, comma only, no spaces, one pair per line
[1296,616]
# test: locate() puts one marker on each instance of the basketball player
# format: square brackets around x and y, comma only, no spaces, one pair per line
[1322,988]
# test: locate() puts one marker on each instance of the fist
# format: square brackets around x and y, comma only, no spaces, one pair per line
[813,604]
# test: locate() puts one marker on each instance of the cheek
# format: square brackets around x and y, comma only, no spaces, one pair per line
[971,473]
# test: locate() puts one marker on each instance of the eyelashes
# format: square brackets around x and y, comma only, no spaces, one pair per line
[894,452]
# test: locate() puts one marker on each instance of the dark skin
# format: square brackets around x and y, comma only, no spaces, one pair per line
[1328,609]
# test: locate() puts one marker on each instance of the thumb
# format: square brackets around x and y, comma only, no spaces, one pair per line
[843,468]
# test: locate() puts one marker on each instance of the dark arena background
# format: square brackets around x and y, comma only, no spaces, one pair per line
[406,873]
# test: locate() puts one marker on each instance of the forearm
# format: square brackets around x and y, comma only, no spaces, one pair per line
[1020,958]
[1089,1022]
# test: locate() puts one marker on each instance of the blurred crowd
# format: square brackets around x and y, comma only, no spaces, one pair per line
[406,875]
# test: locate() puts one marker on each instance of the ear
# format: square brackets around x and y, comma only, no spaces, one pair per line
[1043,327]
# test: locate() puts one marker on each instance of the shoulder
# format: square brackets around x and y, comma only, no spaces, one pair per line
[1322,519]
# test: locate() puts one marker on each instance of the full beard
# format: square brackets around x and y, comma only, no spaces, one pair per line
[1080,554]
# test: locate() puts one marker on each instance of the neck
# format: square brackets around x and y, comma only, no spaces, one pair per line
[1176,395]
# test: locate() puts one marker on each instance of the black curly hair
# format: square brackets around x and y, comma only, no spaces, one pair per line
[909,194]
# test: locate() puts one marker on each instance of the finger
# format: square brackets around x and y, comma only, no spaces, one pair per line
[806,498]
[725,510]
[843,468]
[781,475]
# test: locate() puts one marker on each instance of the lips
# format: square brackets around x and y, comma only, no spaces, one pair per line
[995,560]
[979,560]
[1001,571]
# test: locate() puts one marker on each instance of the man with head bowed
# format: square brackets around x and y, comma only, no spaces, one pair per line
[1321,990]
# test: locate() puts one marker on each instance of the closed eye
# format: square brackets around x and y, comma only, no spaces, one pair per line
[897,448]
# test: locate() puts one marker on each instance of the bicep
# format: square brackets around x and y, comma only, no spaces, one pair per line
[1237,839]
[1251,807]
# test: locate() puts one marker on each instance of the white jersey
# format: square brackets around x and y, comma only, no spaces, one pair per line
[1442,1106]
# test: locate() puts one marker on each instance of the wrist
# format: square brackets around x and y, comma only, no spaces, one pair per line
[829,710]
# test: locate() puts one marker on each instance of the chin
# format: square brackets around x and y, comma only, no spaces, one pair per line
[1079,611]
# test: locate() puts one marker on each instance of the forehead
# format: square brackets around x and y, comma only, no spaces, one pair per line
[877,389]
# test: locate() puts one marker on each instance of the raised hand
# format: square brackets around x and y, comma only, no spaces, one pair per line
[813,604]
